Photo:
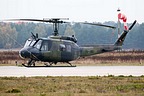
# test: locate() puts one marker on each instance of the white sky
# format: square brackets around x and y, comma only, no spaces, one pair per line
[75,10]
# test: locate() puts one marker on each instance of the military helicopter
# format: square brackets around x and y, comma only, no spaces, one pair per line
[58,48]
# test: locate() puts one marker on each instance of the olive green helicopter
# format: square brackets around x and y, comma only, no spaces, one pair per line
[58,48]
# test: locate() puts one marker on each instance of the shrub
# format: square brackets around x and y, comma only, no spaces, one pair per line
[13,91]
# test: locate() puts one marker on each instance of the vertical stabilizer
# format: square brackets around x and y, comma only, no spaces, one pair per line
[121,39]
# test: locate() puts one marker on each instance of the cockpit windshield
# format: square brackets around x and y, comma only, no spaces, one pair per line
[35,43]
[29,42]
[38,44]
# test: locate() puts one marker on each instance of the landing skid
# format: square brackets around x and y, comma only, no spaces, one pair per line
[46,66]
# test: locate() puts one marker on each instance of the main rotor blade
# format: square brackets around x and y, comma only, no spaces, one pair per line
[39,20]
[53,20]
[57,20]
[97,24]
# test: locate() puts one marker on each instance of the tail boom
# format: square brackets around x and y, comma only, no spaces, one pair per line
[88,50]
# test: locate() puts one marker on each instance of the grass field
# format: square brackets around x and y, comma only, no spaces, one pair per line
[72,86]
[76,86]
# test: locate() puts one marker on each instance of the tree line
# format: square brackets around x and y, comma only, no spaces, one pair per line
[14,35]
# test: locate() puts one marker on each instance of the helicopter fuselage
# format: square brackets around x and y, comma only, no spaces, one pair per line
[50,50]
[60,50]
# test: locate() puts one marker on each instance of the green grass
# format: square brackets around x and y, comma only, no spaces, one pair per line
[72,86]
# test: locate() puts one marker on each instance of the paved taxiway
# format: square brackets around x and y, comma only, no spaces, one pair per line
[72,71]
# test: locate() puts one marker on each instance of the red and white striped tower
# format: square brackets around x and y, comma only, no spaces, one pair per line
[118,23]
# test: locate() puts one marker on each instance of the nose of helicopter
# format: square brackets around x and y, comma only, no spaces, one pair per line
[24,53]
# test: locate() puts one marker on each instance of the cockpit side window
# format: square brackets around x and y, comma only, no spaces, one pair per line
[32,43]
[44,46]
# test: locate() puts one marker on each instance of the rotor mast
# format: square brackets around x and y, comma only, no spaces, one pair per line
[55,26]
[56,22]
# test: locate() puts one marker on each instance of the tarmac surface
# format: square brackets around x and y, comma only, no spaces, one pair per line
[15,71]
